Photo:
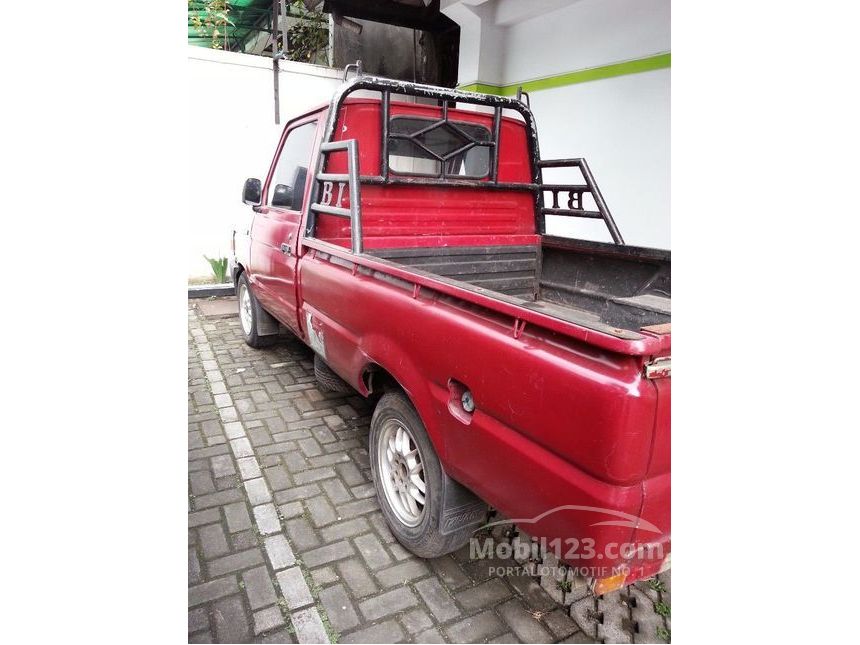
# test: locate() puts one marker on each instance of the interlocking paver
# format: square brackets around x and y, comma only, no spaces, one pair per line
[386,632]
[345,529]
[388,603]
[523,623]
[199,518]
[195,572]
[198,619]
[326,554]
[222,466]
[241,447]
[235,562]
[357,577]
[484,594]
[280,489]
[217,499]
[199,594]
[279,551]
[372,551]
[294,588]
[248,467]
[237,517]
[277,478]
[432,635]
[266,517]
[257,491]
[259,588]
[475,629]
[320,511]
[302,533]
[339,608]
[267,619]
[309,626]
[213,541]
[201,482]
[416,621]
[231,622]
[438,601]
[403,573]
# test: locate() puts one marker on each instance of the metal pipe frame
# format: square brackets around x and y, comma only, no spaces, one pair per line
[354,211]
[386,87]
[590,186]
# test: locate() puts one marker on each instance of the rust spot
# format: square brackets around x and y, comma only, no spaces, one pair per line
[661,329]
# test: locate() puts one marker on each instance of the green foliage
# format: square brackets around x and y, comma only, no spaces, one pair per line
[219,268]
[665,634]
[663,609]
[211,21]
[307,38]
[657,585]
[564,585]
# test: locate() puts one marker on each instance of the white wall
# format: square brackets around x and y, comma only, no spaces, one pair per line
[620,125]
[232,136]
[584,34]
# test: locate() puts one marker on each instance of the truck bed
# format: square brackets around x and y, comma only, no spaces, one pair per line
[606,287]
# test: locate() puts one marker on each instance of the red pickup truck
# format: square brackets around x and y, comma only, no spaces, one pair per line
[400,233]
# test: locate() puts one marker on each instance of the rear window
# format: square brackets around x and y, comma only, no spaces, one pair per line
[421,147]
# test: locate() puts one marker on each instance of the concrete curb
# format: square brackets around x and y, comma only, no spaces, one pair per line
[209,290]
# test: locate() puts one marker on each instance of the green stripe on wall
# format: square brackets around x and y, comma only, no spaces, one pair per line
[660,61]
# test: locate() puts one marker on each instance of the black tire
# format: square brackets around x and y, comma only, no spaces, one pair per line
[251,336]
[327,380]
[450,512]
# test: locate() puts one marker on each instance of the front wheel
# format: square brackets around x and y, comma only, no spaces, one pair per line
[429,513]
[249,314]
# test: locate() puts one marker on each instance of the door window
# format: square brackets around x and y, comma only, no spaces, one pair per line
[287,187]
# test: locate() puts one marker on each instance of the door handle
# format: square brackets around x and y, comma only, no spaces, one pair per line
[285,249]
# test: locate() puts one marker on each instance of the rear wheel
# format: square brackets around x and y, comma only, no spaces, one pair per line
[424,508]
[250,312]
[326,378]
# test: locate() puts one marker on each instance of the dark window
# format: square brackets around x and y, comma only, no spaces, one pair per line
[287,188]
[422,146]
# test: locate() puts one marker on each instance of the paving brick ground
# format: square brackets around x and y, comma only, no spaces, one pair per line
[286,542]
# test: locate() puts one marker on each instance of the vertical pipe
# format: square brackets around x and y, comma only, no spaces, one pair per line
[386,108]
[275,66]
[354,196]
[497,131]
[445,119]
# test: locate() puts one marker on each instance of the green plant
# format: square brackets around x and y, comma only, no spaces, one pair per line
[564,585]
[219,268]
[308,35]
[210,20]
[665,634]
[657,585]
[663,609]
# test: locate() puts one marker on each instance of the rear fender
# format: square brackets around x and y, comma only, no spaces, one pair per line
[382,351]
[351,357]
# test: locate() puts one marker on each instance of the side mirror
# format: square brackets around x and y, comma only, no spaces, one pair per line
[283,196]
[252,194]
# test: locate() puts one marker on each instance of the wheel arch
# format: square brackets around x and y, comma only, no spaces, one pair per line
[377,378]
[238,270]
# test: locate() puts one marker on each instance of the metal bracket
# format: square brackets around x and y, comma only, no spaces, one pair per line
[359,70]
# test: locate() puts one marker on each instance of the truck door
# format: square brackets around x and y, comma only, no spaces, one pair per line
[275,231]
